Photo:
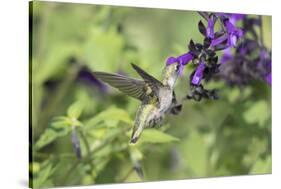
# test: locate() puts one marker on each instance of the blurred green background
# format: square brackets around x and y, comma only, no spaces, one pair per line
[229,136]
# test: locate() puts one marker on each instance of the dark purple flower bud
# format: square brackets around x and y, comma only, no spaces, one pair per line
[202,28]
[86,76]
[198,75]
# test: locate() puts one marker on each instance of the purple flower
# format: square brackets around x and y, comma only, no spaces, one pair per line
[269,75]
[268,78]
[182,60]
[233,33]
[198,75]
[233,18]
[85,75]
[218,40]
[227,56]
[210,29]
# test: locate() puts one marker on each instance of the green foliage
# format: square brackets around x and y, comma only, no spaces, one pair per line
[103,50]
[230,136]
[75,110]
[156,136]
[111,117]
[58,128]
[258,113]
[42,177]
[262,166]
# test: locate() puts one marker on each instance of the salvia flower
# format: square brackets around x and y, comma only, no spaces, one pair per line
[233,33]
[198,75]
[227,56]
[250,61]
[234,62]
[182,60]
[211,26]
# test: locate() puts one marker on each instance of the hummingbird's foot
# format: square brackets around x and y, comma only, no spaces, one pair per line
[175,110]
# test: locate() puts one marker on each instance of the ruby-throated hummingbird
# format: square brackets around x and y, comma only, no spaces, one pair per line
[158,98]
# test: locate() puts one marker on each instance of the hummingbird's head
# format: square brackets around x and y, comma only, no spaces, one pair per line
[171,73]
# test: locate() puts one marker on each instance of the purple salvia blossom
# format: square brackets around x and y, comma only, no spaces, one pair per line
[85,75]
[233,18]
[182,60]
[219,40]
[268,78]
[233,33]
[227,56]
[210,29]
[198,75]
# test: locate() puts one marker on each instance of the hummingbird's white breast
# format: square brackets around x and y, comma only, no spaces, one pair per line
[165,99]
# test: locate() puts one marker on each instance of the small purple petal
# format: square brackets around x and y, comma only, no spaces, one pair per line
[171,60]
[198,75]
[185,58]
[226,56]
[233,33]
[218,40]
[182,60]
[264,55]
[233,18]
[210,29]
[229,26]
[232,40]
[268,79]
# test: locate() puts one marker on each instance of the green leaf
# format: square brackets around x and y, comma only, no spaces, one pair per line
[57,129]
[41,180]
[262,166]
[195,153]
[259,113]
[156,136]
[103,50]
[234,95]
[75,110]
[110,116]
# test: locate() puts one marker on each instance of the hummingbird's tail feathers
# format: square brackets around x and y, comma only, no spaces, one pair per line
[134,140]
[137,130]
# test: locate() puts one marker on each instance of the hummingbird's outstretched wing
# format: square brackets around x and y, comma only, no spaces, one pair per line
[133,87]
[153,83]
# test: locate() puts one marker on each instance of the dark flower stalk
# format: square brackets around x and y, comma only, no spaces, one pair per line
[75,143]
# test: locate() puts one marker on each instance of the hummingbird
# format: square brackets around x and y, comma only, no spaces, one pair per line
[157,97]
